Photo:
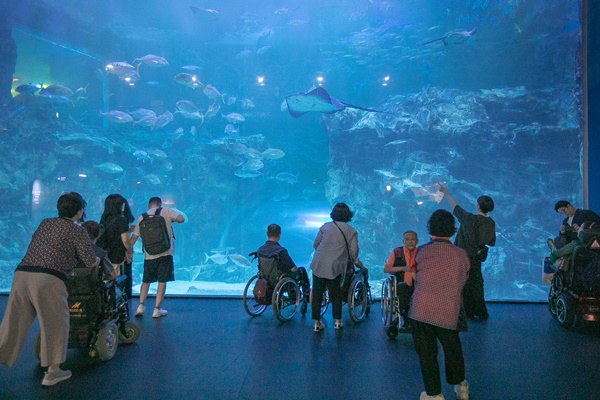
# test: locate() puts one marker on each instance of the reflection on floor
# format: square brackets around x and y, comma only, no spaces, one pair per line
[210,349]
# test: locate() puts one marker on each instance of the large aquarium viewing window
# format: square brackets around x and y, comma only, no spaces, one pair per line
[187,101]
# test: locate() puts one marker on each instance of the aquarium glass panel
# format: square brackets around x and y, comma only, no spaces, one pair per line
[246,113]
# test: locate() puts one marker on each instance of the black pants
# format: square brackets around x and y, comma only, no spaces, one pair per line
[335,296]
[127,271]
[424,338]
[473,292]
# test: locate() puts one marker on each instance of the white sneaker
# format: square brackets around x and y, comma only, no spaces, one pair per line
[159,312]
[58,375]
[140,310]
[462,390]
[424,396]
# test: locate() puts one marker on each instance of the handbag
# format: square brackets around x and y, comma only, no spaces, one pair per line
[349,270]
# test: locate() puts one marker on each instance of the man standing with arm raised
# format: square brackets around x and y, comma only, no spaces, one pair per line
[154,226]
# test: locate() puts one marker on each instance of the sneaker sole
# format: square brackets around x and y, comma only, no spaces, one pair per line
[54,381]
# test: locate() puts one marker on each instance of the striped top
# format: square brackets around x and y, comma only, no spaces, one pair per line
[442,270]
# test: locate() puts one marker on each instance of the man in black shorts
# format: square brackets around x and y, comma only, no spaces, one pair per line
[157,267]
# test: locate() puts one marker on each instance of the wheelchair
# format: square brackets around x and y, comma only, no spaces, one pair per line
[98,314]
[356,293]
[575,290]
[394,306]
[284,291]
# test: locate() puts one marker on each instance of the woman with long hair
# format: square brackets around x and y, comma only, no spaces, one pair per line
[115,235]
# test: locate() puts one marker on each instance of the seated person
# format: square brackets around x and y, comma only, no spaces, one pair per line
[93,230]
[575,218]
[586,233]
[286,265]
[401,263]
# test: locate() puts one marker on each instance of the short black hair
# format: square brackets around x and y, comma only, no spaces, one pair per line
[69,204]
[273,230]
[441,223]
[561,204]
[341,212]
[156,200]
[92,228]
[486,204]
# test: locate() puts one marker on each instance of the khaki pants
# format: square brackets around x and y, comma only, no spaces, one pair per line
[44,295]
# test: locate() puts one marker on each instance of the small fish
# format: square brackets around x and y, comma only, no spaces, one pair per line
[234,118]
[254,154]
[212,93]
[247,103]
[141,155]
[283,11]
[240,260]
[152,61]
[119,68]
[119,117]
[273,154]
[163,120]
[193,130]
[157,153]
[218,258]
[207,14]
[110,168]
[57,90]
[397,142]
[242,55]
[27,88]
[152,179]
[231,101]
[187,106]
[287,177]
[79,93]
[188,80]
[237,148]
[230,129]
[213,109]
[263,50]
[190,67]
[141,113]
[253,165]
[244,173]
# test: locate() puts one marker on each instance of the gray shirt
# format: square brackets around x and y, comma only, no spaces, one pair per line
[331,257]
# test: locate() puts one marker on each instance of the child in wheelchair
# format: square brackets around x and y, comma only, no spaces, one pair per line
[401,264]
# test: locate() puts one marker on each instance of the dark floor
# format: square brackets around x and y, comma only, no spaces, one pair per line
[210,349]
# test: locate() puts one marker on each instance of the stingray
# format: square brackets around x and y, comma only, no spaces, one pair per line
[453,37]
[317,100]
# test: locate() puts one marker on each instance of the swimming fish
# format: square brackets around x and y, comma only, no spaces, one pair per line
[110,168]
[152,61]
[453,37]
[317,100]
[188,80]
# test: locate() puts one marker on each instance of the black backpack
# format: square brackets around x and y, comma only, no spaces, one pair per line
[154,233]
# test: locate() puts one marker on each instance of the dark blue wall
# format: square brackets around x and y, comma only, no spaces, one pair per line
[593,58]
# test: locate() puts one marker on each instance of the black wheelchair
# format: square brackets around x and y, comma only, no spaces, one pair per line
[356,293]
[283,291]
[395,301]
[575,288]
[98,314]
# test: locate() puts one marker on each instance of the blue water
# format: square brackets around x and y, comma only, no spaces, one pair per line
[492,107]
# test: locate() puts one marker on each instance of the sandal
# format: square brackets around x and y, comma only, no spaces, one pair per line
[338,325]
[318,327]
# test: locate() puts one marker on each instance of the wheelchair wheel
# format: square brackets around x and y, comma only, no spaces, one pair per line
[324,303]
[552,300]
[37,346]
[358,300]
[392,331]
[387,303]
[107,342]
[250,305]
[286,298]
[565,311]
[129,333]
